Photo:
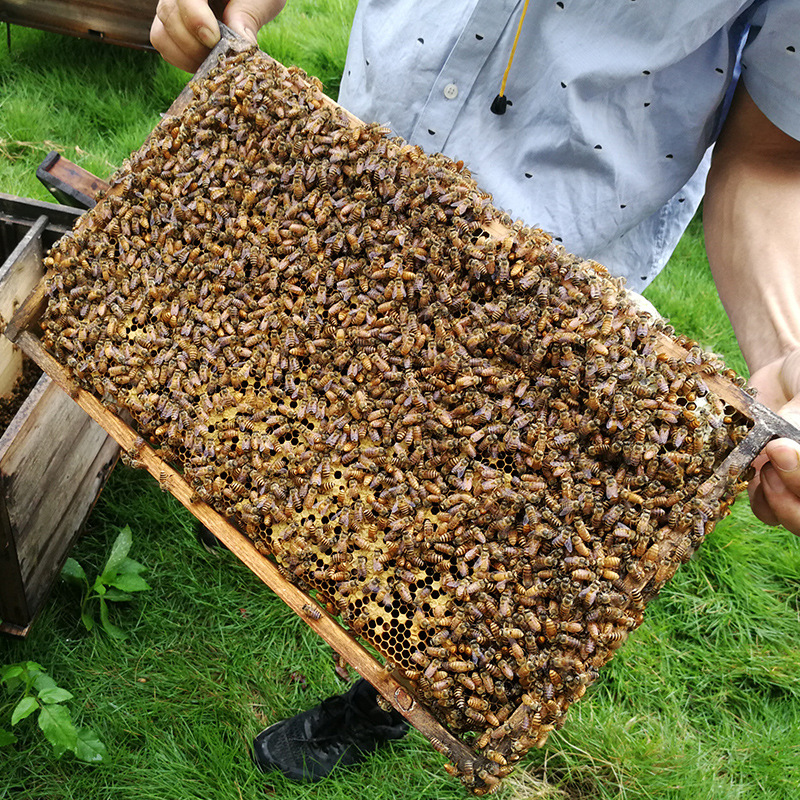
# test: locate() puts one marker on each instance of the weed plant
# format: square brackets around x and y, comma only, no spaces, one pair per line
[703,703]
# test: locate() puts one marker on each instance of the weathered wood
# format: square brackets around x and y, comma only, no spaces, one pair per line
[30,310]
[73,481]
[57,464]
[16,612]
[48,484]
[112,21]
[69,182]
[19,274]
[54,459]
[19,213]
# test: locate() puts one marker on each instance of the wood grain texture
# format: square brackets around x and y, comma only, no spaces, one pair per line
[113,21]
[54,460]
[19,274]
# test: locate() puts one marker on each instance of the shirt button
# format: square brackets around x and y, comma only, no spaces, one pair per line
[451,91]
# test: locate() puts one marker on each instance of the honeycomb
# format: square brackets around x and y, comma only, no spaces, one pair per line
[463,439]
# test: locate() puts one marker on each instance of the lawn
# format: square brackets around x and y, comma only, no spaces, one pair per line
[702,703]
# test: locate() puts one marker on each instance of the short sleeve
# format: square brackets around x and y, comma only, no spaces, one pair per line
[771,63]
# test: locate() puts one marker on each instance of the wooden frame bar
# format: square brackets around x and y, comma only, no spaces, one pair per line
[68,182]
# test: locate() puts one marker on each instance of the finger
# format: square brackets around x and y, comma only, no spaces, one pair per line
[246,17]
[759,504]
[187,31]
[170,51]
[775,492]
[784,456]
[779,483]
[187,20]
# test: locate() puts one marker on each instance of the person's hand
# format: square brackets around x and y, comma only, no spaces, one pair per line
[184,31]
[775,490]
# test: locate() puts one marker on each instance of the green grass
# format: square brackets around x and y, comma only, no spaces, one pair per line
[702,704]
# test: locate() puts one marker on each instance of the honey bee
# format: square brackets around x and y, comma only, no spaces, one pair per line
[312,611]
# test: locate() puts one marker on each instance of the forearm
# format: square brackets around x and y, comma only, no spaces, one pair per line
[751,215]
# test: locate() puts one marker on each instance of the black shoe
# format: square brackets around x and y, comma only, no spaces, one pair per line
[341,730]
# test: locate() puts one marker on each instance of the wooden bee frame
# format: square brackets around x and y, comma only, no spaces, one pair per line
[763,425]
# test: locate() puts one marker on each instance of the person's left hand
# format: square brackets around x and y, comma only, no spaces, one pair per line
[775,490]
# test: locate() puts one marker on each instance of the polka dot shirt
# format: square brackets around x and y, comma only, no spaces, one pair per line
[612,106]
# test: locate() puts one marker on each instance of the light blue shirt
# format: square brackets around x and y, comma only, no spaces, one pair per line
[615,104]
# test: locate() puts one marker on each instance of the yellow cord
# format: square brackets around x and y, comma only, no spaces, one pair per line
[511,57]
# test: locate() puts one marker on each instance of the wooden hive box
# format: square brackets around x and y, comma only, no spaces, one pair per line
[111,21]
[480,765]
[54,459]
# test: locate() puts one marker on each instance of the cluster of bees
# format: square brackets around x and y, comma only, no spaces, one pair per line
[11,403]
[462,438]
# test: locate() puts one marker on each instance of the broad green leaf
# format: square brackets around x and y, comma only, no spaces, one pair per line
[87,620]
[55,695]
[130,582]
[6,737]
[56,724]
[43,682]
[119,552]
[23,709]
[11,675]
[73,572]
[117,596]
[11,671]
[100,587]
[88,747]
[109,627]
[129,565]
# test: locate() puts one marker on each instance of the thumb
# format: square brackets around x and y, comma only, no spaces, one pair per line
[785,453]
[783,395]
[775,492]
[246,17]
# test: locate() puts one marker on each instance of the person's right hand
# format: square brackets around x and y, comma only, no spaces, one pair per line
[184,31]
[775,490]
